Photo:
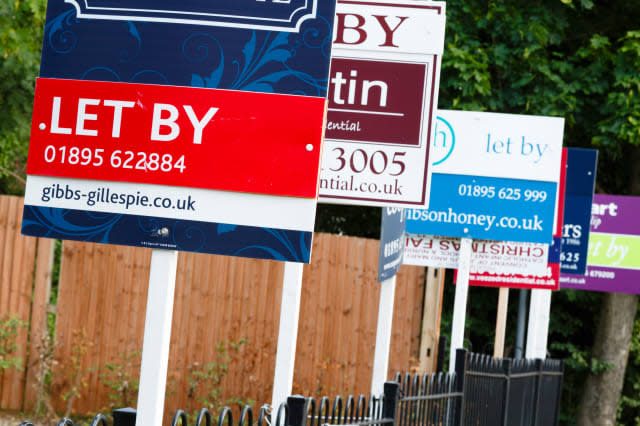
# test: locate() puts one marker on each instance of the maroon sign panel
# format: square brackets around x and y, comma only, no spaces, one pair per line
[376,101]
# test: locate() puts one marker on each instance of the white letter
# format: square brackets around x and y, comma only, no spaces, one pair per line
[55,118]
[338,81]
[367,85]
[198,126]
[83,116]
[117,114]
[158,121]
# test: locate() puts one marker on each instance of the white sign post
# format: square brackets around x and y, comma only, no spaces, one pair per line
[287,334]
[383,335]
[460,303]
[157,337]
[537,333]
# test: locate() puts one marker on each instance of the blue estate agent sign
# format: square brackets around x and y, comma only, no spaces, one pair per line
[273,48]
[279,15]
[392,242]
[581,180]
[495,177]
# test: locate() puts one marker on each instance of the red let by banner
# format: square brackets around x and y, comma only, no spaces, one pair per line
[180,136]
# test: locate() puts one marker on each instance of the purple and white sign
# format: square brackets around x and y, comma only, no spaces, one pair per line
[613,263]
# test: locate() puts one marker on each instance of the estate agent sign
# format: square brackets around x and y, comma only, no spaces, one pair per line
[391,242]
[613,264]
[383,93]
[495,176]
[191,126]
[487,256]
[581,182]
[549,278]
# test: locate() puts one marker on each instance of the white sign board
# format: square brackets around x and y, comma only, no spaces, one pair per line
[493,176]
[383,95]
[486,256]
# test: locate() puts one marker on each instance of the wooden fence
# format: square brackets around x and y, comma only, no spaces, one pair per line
[24,295]
[102,301]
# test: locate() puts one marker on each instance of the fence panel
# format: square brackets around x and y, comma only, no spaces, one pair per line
[523,392]
[511,392]
[550,392]
[102,303]
[339,314]
[485,391]
[17,285]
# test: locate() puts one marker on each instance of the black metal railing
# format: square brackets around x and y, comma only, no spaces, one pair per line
[353,411]
[431,399]
[507,392]
[482,391]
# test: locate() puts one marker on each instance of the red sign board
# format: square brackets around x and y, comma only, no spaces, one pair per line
[144,133]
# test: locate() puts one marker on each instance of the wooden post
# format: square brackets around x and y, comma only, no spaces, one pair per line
[38,326]
[431,316]
[501,322]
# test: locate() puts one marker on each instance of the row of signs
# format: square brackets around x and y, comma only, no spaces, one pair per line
[200,128]
[595,248]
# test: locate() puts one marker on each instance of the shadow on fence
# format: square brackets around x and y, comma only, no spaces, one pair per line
[482,391]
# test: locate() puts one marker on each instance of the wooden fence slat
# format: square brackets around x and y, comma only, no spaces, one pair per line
[7,259]
[6,266]
[17,263]
[38,322]
[11,396]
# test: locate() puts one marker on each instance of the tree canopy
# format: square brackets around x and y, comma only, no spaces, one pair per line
[21,29]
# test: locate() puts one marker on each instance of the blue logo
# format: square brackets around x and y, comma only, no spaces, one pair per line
[275,15]
[443,142]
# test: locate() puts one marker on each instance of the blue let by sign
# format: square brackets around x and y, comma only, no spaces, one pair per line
[581,180]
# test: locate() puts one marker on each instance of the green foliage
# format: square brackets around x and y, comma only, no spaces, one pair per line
[45,348]
[205,381]
[21,31]
[348,220]
[76,372]
[121,383]
[9,328]
[621,122]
